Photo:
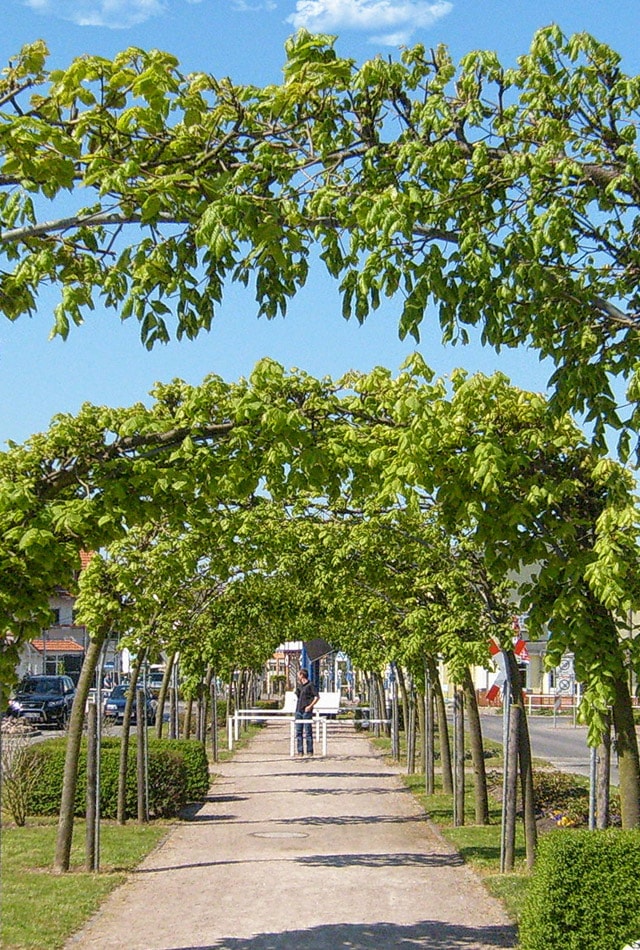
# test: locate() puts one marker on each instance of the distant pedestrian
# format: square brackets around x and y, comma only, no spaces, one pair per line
[307,698]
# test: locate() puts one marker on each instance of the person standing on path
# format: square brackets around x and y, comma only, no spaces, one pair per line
[307,698]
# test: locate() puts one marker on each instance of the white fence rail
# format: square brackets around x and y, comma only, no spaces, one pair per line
[321,719]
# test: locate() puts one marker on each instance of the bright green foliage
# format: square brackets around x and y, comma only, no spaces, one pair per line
[510,483]
[391,587]
[506,198]
[585,892]
[93,477]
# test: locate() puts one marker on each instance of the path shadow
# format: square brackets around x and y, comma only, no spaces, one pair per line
[427,934]
[226,798]
[321,821]
[346,790]
[191,815]
[383,860]
[371,860]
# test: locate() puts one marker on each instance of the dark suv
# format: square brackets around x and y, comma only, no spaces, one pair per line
[44,699]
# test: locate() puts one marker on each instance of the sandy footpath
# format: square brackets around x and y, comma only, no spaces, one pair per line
[302,854]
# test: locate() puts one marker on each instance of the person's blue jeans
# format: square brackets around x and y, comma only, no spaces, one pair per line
[304,729]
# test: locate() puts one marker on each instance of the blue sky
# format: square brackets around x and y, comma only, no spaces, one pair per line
[103,361]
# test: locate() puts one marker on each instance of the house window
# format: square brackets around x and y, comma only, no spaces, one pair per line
[56,616]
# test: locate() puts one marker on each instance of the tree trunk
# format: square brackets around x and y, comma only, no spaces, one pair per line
[162,695]
[74,736]
[230,698]
[443,730]
[188,716]
[214,718]
[603,777]
[524,758]
[627,750]
[382,704]
[481,795]
[510,802]
[411,732]
[404,699]
[123,768]
[458,748]
[429,745]
[92,791]
[141,771]
[395,720]
[420,734]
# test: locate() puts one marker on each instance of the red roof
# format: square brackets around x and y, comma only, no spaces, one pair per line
[58,646]
[85,557]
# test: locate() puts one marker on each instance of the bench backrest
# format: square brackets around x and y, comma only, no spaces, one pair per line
[290,700]
[328,703]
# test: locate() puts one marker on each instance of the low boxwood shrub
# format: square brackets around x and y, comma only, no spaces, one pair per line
[196,764]
[178,775]
[584,893]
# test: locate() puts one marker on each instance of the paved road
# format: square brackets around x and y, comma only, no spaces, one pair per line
[312,854]
[559,742]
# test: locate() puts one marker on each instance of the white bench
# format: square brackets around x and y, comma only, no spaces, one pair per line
[328,703]
[289,705]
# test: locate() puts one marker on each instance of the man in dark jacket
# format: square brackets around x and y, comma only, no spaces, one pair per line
[307,698]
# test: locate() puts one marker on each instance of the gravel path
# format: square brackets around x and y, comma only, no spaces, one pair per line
[302,854]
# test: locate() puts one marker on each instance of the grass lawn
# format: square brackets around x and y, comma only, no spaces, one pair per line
[40,909]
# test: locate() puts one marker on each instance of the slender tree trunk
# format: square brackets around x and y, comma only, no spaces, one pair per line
[411,732]
[510,803]
[443,729]
[395,720]
[162,695]
[627,749]
[214,718]
[206,701]
[525,761]
[458,745]
[200,715]
[481,795]
[141,728]
[623,722]
[382,704]
[603,777]
[429,743]
[420,734]
[123,768]
[229,698]
[188,716]
[74,738]
[92,791]
[404,698]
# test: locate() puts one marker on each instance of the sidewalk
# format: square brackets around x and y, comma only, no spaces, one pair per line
[302,854]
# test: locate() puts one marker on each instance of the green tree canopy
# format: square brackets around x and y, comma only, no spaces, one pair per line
[506,197]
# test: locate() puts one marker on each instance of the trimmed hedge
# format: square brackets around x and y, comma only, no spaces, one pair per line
[584,893]
[178,775]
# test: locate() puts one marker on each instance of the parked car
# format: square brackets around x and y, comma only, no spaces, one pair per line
[44,699]
[154,682]
[115,703]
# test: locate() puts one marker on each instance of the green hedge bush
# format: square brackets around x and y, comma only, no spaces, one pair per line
[584,893]
[178,775]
